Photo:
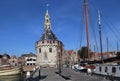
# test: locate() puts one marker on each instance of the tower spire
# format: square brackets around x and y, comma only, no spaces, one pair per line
[47,23]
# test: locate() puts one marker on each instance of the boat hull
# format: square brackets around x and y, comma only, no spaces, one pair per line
[10,71]
[108,70]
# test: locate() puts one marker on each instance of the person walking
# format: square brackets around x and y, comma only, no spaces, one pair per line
[30,78]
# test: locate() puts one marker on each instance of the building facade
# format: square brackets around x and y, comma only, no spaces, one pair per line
[28,59]
[70,57]
[49,49]
[13,61]
[5,59]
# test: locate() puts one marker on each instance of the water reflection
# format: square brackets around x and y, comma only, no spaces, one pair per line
[12,78]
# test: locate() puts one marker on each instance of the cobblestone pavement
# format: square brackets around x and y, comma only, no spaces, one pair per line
[48,74]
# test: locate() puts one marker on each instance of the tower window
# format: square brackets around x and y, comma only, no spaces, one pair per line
[47,20]
[39,50]
[50,42]
[50,50]
[53,41]
[42,41]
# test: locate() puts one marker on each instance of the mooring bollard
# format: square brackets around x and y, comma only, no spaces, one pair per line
[29,78]
[39,72]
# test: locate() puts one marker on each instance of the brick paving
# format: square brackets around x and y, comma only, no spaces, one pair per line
[48,74]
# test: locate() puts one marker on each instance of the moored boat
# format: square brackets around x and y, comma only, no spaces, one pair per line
[108,70]
[8,70]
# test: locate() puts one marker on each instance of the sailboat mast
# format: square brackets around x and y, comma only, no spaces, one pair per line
[87,35]
[117,47]
[107,46]
[94,51]
[100,33]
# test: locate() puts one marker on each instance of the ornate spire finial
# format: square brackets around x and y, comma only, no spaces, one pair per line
[47,5]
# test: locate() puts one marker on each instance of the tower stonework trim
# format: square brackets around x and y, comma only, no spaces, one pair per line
[47,46]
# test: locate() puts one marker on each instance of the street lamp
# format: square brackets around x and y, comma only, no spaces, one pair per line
[59,54]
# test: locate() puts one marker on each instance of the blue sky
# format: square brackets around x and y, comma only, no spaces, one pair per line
[22,23]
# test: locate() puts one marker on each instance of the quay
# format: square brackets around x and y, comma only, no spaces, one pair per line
[49,74]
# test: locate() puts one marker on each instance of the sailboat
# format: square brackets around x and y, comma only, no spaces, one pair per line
[106,69]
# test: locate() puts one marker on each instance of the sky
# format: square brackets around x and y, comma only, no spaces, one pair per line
[22,23]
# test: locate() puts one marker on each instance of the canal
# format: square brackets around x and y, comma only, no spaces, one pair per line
[13,78]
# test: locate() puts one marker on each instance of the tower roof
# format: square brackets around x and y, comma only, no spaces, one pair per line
[48,34]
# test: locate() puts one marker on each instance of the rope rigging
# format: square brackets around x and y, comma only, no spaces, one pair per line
[93,31]
[111,29]
[109,24]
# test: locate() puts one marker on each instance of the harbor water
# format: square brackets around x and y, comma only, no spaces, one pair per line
[13,78]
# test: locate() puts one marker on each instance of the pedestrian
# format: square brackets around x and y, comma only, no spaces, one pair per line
[89,71]
[39,72]
[30,78]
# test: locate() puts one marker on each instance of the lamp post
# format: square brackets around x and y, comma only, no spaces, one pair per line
[59,54]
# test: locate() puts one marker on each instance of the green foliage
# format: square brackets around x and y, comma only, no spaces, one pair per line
[83,53]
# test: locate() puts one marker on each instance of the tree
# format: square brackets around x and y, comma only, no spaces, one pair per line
[83,53]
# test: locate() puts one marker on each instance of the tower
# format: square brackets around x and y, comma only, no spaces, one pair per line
[47,24]
[48,45]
